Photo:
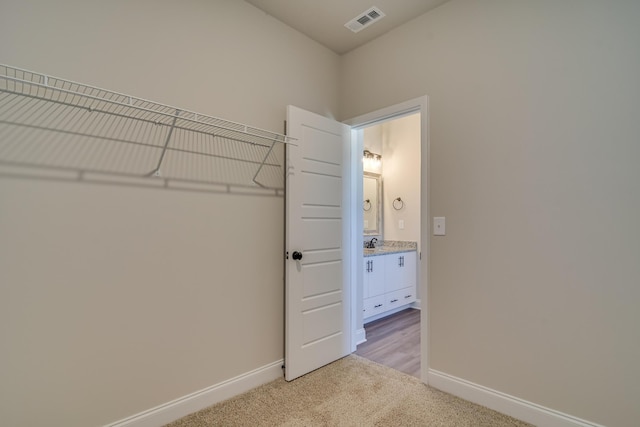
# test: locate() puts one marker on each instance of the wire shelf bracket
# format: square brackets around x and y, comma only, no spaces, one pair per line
[56,124]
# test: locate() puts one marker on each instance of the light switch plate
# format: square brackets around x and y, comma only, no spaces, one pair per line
[401,224]
[438,226]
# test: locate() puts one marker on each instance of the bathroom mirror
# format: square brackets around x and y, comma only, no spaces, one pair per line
[372,212]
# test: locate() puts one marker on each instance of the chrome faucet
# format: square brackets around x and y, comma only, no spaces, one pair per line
[371,243]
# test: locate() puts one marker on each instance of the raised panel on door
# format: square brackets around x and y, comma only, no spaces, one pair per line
[322,234]
[322,190]
[322,279]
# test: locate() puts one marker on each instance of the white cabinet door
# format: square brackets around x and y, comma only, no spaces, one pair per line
[409,271]
[374,276]
[366,278]
[373,286]
[400,271]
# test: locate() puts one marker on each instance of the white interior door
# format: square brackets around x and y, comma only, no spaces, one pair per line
[317,321]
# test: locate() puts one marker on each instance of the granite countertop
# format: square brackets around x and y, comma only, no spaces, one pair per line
[391,247]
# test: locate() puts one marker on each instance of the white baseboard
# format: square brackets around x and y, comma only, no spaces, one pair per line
[504,403]
[171,411]
[360,336]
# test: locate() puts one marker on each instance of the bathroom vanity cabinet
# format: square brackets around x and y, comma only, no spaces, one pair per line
[389,282]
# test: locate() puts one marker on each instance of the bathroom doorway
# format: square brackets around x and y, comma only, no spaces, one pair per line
[390,221]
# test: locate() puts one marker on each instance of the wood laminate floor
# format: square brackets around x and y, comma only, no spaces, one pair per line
[394,341]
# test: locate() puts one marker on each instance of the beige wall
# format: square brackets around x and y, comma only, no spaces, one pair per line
[219,57]
[534,150]
[116,299]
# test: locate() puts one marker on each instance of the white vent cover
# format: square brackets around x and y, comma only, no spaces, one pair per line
[365,19]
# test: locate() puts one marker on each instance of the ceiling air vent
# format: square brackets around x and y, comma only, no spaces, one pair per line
[365,19]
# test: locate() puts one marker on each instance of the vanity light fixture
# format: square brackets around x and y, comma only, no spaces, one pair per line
[371,161]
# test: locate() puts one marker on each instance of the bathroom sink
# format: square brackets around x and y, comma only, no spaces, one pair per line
[369,251]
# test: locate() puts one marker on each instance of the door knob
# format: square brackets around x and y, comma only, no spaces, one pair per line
[296,255]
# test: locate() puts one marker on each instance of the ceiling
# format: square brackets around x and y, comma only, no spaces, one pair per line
[323,20]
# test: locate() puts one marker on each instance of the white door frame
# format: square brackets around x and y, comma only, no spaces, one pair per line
[417,105]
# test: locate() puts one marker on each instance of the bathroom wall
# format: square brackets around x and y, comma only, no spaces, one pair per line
[398,141]
[372,141]
[116,299]
[401,161]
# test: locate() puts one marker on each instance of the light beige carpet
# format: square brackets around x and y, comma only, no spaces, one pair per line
[350,392]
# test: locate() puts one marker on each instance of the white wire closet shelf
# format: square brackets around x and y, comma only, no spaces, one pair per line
[50,123]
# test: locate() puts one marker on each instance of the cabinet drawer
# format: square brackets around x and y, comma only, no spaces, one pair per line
[401,297]
[408,295]
[374,305]
[394,299]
